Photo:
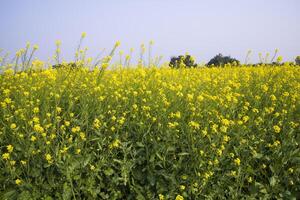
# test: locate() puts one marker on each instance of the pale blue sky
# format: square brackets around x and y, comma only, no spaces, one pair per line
[202,28]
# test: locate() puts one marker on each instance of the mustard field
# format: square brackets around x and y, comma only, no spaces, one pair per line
[150,133]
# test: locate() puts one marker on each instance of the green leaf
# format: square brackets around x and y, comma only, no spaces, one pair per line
[159,156]
[11,194]
[25,195]
[109,172]
[273,181]
[258,155]
[171,149]
[140,197]
[151,179]
[67,192]
[183,154]
[139,144]
[48,198]
[87,160]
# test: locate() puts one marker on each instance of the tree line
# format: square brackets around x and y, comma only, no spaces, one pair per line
[219,61]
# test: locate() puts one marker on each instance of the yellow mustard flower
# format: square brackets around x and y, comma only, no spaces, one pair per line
[9,148]
[18,181]
[13,126]
[161,197]
[179,197]
[277,129]
[5,156]
[48,157]
[237,161]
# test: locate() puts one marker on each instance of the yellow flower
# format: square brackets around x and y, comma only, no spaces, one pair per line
[35,47]
[52,136]
[57,42]
[82,135]
[64,150]
[182,187]
[184,177]
[38,128]
[265,88]
[273,97]
[23,162]
[78,151]
[36,110]
[179,197]
[226,138]
[173,125]
[286,94]
[96,123]
[161,197]
[276,143]
[67,123]
[223,129]
[48,157]
[13,126]
[233,173]
[58,109]
[9,148]
[245,118]
[279,59]
[33,138]
[104,65]
[6,91]
[115,144]
[7,100]
[250,179]
[219,152]
[75,129]
[190,97]
[118,43]
[255,110]
[83,34]
[5,156]
[18,181]
[36,120]
[237,161]
[276,129]
[194,125]
[121,120]
[12,163]
[225,122]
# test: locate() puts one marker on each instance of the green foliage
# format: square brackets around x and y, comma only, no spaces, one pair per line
[220,60]
[297,60]
[70,65]
[182,62]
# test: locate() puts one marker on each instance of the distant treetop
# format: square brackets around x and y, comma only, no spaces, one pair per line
[220,60]
[182,62]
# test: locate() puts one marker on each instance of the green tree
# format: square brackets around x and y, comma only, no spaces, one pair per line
[182,61]
[297,60]
[220,60]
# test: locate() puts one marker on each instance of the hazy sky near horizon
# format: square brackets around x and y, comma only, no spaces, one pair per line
[201,27]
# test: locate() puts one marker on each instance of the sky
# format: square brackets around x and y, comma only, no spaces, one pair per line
[203,28]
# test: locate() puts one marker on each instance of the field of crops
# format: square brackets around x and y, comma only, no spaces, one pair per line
[150,133]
